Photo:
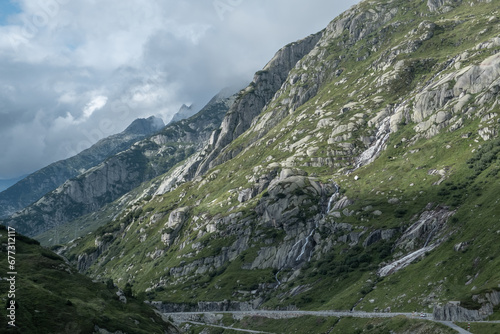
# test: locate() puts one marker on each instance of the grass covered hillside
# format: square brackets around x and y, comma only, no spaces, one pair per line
[50,296]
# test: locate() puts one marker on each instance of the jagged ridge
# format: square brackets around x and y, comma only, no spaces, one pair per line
[102,184]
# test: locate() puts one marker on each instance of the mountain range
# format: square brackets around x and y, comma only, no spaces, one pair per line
[32,187]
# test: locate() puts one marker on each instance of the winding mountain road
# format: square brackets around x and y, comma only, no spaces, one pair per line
[194,317]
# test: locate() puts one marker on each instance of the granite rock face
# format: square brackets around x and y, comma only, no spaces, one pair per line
[253,99]
[223,306]
[454,312]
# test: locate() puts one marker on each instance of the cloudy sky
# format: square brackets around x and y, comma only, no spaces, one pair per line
[73,72]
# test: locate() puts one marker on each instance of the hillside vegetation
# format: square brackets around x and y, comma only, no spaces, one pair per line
[50,296]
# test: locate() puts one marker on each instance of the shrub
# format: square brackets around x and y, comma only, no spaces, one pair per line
[109,284]
[400,213]
[298,192]
[127,291]
[107,238]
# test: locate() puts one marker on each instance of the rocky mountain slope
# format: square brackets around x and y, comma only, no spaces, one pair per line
[359,170]
[50,296]
[367,179]
[242,105]
[183,113]
[34,186]
[120,173]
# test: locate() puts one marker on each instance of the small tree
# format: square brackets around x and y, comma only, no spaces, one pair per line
[109,284]
[127,291]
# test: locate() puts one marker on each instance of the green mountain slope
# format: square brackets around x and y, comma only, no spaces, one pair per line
[50,296]
[368,181]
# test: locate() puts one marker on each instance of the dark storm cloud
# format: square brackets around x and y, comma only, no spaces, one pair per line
[72,72]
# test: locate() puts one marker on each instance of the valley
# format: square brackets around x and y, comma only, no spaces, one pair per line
[358,171]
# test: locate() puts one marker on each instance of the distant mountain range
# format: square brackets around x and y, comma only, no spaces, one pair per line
[31,188]
[4,184]
[138,161]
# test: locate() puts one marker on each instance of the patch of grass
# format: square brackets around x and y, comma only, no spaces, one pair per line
[483,328]
[51,297]
[293,325]
[394,325]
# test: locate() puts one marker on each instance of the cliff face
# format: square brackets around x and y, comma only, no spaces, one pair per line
[253,99]
[359,170]
[248,104]
[453,311]
[34,186]
[122,172]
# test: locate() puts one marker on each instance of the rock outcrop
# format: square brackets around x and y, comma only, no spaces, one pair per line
[452,311]
[223,306]
[252,100]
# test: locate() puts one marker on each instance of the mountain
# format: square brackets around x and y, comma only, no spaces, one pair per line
[188,111]
[358,171]
[145,127]
[50,296]
[34,186]
[183,113]
[118,174]
[6,183]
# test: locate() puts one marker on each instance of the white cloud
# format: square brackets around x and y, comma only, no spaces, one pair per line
[97,103]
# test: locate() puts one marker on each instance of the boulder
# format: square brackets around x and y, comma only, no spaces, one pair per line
[245,195]
[378,235]
[455,312]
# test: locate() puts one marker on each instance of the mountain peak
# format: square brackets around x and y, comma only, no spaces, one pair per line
[184,112]
[145,125]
